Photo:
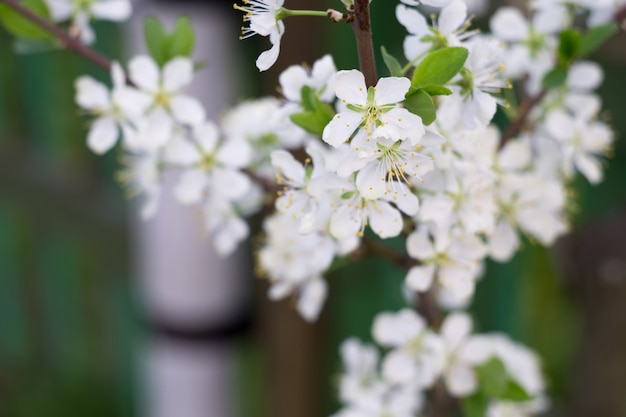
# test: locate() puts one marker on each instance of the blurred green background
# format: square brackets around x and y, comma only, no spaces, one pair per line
[69,328]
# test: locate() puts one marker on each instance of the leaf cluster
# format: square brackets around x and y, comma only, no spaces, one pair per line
[572,46]
[494,383]
[164,46]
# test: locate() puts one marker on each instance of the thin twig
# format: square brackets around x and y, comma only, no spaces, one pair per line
[516,126]
[66,40]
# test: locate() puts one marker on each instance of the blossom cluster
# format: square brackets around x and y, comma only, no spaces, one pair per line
[416,155]
[417,358]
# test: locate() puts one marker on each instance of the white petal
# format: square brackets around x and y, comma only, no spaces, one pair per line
[350,86]
[291,82]
[414,22]
[419,245]
[370,181]
[311,299]
[508,24]
[584,75]
[280,290]
[452,16]
[341,127]
[116,10]
[269,57]
[420,278]
[455,328]
[102,135]
[461,380]
[589,167]
[395,329]
[342,224]
[187,110]
[287,164]
[177,74]
[391,90]
[190,186]
[92,94]
[400,195]
[503,242]
[560,125]
[144,73]
[384,220]
[132,103]
[207,136]
[230,184]
[60,10]
[235,153]
[117,75]
[413,47]
[398,367]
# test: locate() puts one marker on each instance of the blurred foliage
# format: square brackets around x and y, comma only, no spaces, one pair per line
[64,290]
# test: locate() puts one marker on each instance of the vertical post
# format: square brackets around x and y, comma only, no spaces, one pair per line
[192,298]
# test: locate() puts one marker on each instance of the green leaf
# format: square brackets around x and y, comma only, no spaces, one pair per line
[554,78]
[421,103]
[182,39]
[315,120]
[439,67]
[307,98]
[308,121]
[474,406]
[437,90]
[394,67]
[492,378]
[595,37]
[21,27]
[569,46]
[156,39]
[515,392]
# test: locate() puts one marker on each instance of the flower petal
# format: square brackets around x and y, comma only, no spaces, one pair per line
[144,73]
[115,10]
[102,135]
[187,110]
[177,74]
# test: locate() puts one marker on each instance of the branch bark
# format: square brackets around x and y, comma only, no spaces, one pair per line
[363,32]
[516,126]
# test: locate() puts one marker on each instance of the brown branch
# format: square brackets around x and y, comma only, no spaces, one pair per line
[66,40]
[516,126]
[427,305]
[363,33]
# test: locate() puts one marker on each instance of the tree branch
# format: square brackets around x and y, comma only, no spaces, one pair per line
[427,304]
[66,40]
[363,32]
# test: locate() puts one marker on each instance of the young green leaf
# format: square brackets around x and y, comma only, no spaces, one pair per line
[421,103]
[493,378]
[182,39]
[595,37]
[156,39]
[307,98]
[439,67]
[474,406]
[21,27]
[554,78]
[569,46]
[437,90]
[515,392]
[394,67]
